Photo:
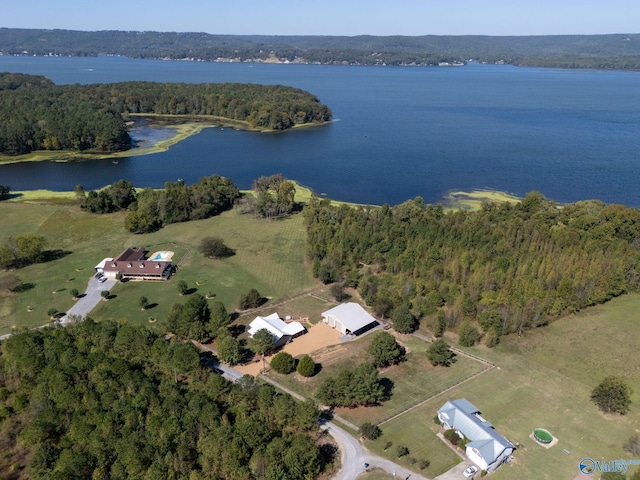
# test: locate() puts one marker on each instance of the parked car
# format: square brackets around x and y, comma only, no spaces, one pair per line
[470,472]
[102,279]
[98,275]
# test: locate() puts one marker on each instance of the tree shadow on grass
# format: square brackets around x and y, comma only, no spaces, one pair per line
[237,330]
[388,386]
[23,287]
[151,305]
[191,291]
[51,255]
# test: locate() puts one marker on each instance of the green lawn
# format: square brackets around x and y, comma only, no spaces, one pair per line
[544,379]
[269,257]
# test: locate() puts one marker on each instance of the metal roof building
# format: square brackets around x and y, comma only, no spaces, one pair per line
[487,448]
[349,319]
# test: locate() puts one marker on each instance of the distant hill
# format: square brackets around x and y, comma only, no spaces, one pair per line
[615,51]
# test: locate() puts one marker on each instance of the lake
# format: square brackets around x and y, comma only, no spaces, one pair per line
[399,132]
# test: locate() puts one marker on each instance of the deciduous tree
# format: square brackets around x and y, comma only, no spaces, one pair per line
[261,342]
[612,395]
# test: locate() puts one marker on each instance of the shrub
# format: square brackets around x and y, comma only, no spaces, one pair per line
[370,431]
[452,436]
[424,463]
[283,362]
[401,451]
[306,366]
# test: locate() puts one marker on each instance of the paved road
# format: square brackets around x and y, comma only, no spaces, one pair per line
[89,300]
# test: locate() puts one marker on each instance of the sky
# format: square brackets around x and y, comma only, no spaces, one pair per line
[330,17]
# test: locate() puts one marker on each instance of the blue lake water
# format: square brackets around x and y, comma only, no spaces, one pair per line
[398,133]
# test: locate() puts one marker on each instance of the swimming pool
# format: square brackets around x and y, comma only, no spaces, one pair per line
[163,256]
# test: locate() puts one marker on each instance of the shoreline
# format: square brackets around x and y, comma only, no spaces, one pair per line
[456,200]
[184,126]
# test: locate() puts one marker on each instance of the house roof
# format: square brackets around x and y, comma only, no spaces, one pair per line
[103,262]
[351,315]
[131,254]
[276,326]
[138,268]
[465,417]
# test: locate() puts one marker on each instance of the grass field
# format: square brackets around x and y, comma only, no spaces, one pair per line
[269,257]
[544,379]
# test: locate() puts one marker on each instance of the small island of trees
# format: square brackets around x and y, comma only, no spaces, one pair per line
[39,115]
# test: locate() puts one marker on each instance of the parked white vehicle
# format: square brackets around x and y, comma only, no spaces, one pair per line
[470,472]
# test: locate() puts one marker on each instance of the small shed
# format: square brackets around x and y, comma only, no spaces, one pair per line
[349,319]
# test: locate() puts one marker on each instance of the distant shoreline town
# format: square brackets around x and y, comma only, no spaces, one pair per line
[611,52]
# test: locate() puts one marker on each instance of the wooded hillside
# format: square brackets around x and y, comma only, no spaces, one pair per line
[36,114]
[615,51]
[509,266]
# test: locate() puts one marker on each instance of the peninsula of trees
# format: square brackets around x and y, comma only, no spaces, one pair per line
[615,51]
[39,115]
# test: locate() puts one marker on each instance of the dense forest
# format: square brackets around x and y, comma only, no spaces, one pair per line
[507,267]
[36,114]
[109,401]
[150,210]
[615,51]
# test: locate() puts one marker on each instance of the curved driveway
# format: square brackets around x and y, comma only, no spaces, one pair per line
[354,456]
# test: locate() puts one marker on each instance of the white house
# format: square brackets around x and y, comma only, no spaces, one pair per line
[282,332]
[349,319]
[486,447]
